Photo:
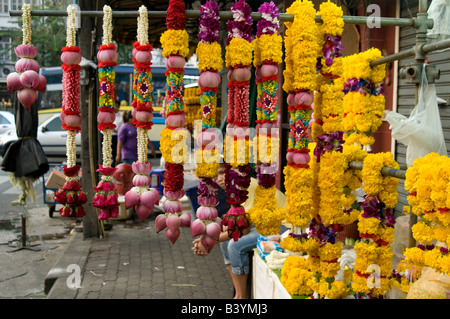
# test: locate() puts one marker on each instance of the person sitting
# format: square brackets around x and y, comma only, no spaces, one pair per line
[235,253]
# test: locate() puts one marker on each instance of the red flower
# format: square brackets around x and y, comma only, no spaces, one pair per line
[72,198]
[66,211]
[60,196]
[111,201]
[106,170]
[72,186]
[82,198]
[99,201]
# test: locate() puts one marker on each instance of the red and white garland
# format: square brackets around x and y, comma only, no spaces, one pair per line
[70,195]
[106,199]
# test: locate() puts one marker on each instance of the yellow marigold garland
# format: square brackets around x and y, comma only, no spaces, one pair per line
[427,183]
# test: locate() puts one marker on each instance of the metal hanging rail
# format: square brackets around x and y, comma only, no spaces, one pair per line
[224,15]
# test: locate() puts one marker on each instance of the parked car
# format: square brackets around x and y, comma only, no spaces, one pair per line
[50,135]
[53,138]
[7,122]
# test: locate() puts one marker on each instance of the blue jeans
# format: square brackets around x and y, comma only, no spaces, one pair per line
[236,252]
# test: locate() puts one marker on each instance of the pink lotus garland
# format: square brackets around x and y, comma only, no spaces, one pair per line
[141,196]
[26,80]
[208,225]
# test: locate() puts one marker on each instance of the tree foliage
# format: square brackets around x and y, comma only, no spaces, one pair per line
[48,34]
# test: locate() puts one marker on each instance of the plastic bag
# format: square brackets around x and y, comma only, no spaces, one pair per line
[439,11]
[431,285]
[422,131]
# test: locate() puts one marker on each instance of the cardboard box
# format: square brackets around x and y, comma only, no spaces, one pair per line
[124,213]
[56,179]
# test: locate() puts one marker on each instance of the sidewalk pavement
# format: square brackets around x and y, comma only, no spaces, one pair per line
[134,262]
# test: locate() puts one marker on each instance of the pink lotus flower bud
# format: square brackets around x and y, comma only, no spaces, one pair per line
[207,201]
[173,195]
[207,242]
[175,61]
[143,56]
[141,168]
[173,206]
[71,58]
[27,97]
[150,198]
[25,64]
[185,219]
[42,84]
[213,230]
[142,180]
[172,235]
[131,198]
[106,117]
[160,222]
[26,51]
[13,82]
[206,212]
[143,211]
[173,222]
[197,228]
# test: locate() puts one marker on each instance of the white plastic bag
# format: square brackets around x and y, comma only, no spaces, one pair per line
[422,131]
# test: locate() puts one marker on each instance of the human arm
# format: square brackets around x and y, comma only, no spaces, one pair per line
[152,148]
[119,151]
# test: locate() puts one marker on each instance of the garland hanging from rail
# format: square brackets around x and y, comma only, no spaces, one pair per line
[26,80]
[266,215]
[105,198]
[141,196]
[207,157]
[174,149]
[427,183]
[238,59]
[70,195]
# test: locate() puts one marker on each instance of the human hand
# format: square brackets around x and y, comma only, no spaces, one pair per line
[198,248]
[118,159]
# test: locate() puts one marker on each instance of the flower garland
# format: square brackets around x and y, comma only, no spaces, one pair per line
[266,215]
[364,100]
[427,183]
[26,80]
[70,195]
[207,157]
[300,74]
[238,58]
[376,224]
[175,45]
[141,196]
[105,198]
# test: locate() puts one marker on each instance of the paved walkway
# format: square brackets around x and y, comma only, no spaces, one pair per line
[137,263]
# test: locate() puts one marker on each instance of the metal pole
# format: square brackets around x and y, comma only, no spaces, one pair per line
[385,171]
[224,15]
